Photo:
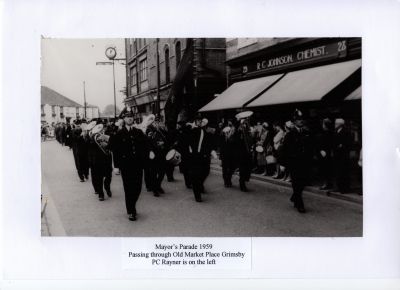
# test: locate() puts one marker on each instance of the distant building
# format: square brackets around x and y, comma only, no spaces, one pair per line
[57,108]
[189,72]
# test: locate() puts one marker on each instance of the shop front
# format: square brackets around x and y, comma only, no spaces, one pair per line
[321,77]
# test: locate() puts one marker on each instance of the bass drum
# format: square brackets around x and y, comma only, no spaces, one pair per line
[173,157]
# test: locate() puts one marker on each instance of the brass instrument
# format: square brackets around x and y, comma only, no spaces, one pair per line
[102,140]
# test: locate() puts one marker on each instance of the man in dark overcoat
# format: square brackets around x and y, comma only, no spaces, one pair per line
[341,155]
[297,152]
[131,148]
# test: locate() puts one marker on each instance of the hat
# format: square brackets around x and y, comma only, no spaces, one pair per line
[128,113]
[243,115]
[339,121]
[289,124]
[204,122]
[198,117]
[298,115]
[97,128]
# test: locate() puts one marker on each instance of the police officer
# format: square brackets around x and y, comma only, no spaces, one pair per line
[130,147]
[297,153]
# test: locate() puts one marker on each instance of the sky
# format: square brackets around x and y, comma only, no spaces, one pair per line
[67,63]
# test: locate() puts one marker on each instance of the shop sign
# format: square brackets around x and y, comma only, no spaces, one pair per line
[321,52]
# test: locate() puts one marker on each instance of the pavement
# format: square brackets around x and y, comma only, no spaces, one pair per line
[72,209]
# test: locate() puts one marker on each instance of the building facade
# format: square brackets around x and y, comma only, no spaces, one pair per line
[188,71]
[56,108]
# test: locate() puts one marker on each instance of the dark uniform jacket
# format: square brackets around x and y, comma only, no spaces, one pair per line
[157,141]
[130,147]
[297,151]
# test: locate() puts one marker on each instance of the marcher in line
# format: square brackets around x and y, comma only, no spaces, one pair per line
[298,156]
[100,161]
[130,147]
[200,146]
[79,145]
[228,154]
[244,152]
[157,140]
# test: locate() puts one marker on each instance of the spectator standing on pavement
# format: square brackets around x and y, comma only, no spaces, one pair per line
[341,153]
[324,153]
[277,145]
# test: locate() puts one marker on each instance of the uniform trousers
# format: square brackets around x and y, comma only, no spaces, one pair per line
[184,169]
[228,168]
[101,177]
[132,181]
[299,176]
[81,162]
[199,170]
[155,173]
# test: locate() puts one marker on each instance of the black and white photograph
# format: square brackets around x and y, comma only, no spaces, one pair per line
[200,145]
[201,137]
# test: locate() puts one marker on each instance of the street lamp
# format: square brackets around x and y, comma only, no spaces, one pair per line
[111,53]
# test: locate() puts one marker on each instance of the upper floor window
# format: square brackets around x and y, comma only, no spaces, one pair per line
[167,75]
[143,70]
[132,74]
[178,53]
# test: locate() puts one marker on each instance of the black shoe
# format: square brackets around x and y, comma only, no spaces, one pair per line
[82,180]
[101,198]
[243,187]
[160,190]
[87,177]
[156,193]
[199,200]
[132,217]
[301,210]
[109,193]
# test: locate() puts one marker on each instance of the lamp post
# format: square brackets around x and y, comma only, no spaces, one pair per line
[111,54]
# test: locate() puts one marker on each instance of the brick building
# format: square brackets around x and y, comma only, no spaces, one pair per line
[185,75]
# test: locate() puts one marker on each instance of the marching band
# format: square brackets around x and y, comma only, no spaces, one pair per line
[145,151]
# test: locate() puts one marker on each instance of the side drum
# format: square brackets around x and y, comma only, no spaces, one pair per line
[173,157]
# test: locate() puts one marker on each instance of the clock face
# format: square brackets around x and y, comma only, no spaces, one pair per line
[111,53]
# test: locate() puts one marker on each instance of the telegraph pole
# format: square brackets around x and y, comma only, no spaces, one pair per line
[84,99]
